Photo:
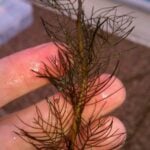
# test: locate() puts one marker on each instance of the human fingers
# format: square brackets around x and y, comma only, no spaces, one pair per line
[110,134]
[16,77]
[113,100]
[111,96]
[10,140]
[106,133]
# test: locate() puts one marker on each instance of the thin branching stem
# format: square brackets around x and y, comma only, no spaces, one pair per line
[84,54]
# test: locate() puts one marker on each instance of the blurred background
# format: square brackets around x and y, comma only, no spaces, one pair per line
[134,72]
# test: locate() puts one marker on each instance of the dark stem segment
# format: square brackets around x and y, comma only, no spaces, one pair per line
[78,108]
[75,129]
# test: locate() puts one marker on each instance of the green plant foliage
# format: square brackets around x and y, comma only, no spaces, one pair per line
[83,58]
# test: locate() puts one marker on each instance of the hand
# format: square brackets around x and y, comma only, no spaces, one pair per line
[17,79]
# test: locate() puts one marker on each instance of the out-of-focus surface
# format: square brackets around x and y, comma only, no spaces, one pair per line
[134,72]
[140,34]
[140,4]
[15,16]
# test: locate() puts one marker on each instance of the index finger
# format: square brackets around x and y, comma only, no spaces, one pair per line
[16,77]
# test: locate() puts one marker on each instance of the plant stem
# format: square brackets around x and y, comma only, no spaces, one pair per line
[78,108]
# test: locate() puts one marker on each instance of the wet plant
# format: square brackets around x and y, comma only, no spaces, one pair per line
[83,45]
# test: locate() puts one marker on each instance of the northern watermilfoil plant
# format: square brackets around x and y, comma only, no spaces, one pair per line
[82,58]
